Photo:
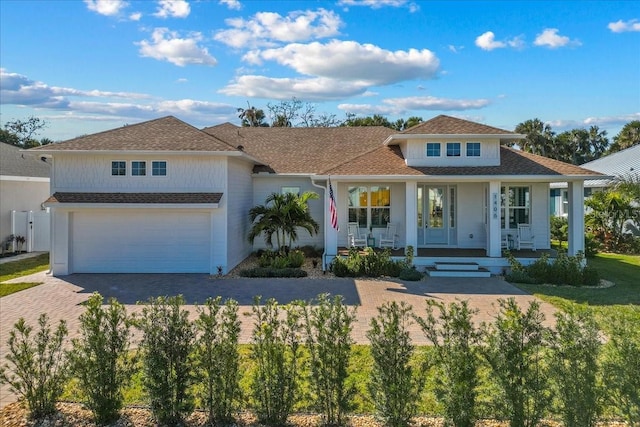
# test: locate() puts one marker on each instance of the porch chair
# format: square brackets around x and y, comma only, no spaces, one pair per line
[354,237]
[388,238]
[504,242]
[525,238]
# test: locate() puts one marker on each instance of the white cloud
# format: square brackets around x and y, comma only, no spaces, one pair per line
[268,28]
[167,46]
[135,16]
[352,61]
[377,4]
[182,80]
[487,41]
[173,9]
[621,26]
[455,49]
[313,89]
[550,38]
[231,4]
[399,106]
[106,7]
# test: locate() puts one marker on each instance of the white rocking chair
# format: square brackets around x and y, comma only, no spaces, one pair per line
[525,238]
[355,240]
[388,239]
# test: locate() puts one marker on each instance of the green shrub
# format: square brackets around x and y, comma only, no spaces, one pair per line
[410,274]
[559,229]
[273,272]
[394,386]
[590,276]
[621,366]
[37,369]
[455,340]
[591,245]
[167,342]
[99,358]
[514,349]
[394,268]
[329,324]
[574,367]
[520,276]
[217,359]
[296,259]
[276,353]
[374,262]
[265,259]
[280,262]
[371,264]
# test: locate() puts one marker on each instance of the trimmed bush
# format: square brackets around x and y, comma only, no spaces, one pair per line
[273,272]
[410,274]
[37,369]
[167,343]
[100,358]
[296,259]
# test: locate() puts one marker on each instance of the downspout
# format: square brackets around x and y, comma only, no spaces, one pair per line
[324,198]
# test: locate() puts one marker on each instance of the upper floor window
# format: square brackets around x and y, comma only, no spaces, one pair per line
[433,149]
[118,168]
[138,168]
[473,149]
[453,149]
[159,168]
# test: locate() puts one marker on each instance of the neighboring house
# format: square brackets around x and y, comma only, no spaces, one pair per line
[24,186]
[622,164]
[163,196]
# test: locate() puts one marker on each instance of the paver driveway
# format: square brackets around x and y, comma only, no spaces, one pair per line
[62,297]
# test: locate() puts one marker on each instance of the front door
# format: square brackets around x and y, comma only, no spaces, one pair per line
[436,208]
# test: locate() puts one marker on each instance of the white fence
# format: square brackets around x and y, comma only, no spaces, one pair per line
[35,227]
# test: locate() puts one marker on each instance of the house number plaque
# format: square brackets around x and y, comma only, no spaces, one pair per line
[494,205]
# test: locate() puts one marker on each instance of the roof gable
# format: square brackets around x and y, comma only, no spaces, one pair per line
[447,125]
[163,134]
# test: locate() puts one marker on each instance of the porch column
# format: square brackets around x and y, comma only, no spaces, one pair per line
[576,217]
[494,232]
[411,215]
[330,233]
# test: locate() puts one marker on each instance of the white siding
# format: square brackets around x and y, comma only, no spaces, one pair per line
[92,172]
[415,152]
[19,196]
[470,215]
[239,196]
[263,186]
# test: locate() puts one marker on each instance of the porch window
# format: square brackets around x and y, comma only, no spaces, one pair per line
[291,190]
[515,206]
[433,149]
[138,168]
[159,168]
[473,149]
[118,168]
[370,206]
[453,149]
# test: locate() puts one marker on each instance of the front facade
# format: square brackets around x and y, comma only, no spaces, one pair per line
[162,196]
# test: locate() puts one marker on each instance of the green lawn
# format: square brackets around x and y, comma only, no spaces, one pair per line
[24,267]
[621,299]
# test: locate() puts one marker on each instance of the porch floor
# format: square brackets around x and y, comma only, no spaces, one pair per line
[460,253]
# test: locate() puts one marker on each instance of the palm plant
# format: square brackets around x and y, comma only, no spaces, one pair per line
[611,209]
[282,216]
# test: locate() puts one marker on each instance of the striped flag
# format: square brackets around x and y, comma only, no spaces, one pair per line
[333,213]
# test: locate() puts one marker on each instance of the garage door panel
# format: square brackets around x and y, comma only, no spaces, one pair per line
[141,242]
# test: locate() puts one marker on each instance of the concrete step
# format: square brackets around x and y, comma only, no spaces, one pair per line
[462,266]
[480,272]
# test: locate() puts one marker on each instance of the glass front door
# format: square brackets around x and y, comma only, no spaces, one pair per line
[436,215]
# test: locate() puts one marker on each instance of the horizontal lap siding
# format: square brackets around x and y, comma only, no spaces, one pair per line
[239,200]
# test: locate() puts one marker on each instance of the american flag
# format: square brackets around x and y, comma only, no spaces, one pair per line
[332,208]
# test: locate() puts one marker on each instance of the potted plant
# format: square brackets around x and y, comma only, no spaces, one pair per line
[19,242]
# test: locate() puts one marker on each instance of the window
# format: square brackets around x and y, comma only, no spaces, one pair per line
[138,168]
[159,168]
[473,149]
[515,206]
[370,206]
[292,190]
[433,149]
[453,149]
[118,168]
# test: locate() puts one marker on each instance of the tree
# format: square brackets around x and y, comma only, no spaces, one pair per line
[611,209]
[375,120]
[628,137]
[402,124]
[26,130]
[9,138]
[252,117]
[539,137]
[282,215]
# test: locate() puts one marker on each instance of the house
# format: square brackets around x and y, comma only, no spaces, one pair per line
[625,163]
[163,196]
[24,186]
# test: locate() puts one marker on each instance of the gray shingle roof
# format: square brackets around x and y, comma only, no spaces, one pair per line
[14,162]
[135,198]
[164,134]
[447,125]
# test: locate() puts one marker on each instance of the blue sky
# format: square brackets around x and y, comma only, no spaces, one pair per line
[88,66]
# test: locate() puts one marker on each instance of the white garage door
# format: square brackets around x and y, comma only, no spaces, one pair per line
[152,241]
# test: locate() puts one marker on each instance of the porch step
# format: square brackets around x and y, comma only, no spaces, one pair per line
[441,271]
[462,266]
